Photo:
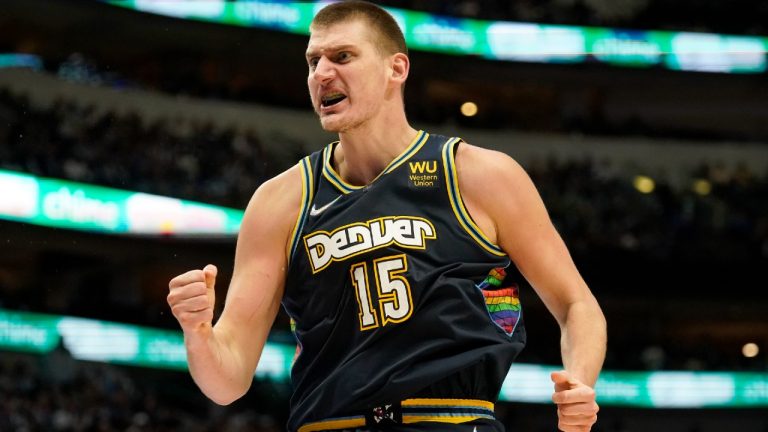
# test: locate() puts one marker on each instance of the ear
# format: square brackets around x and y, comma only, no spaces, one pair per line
[401,64]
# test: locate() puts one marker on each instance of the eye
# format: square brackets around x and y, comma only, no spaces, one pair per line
[343,56]
[313,62]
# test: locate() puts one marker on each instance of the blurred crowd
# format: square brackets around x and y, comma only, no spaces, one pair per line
[54,392]
[180,159]
[723,214]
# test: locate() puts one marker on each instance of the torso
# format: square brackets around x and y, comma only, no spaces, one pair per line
[380,278]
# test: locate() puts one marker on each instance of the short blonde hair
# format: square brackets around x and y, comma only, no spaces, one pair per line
[389,37]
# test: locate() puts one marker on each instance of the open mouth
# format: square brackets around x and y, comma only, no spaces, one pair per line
[331,99]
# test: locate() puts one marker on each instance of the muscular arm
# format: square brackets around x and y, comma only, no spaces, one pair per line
[515,217]
[222,358]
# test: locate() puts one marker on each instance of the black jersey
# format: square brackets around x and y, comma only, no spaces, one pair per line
[397,299]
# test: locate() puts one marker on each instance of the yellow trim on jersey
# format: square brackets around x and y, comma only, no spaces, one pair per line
[325,425]
[457,204]
[411,150]
[453,415]
[332,176]
[475,403]
[307,194]
[426,418]
[446,411]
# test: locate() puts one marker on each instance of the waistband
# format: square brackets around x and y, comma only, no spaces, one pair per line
[410,411]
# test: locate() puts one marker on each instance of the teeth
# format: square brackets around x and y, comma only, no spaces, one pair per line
[332,99]
[330,96]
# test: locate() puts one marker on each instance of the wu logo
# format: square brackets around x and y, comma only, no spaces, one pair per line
[423,174]
[420,167]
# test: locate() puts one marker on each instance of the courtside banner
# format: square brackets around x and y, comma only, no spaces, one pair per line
[94,340]
[19,60]
[110,342]
[66,204]
[499,40]
[662,389]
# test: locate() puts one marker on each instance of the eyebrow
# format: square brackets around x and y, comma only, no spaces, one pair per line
[313,52]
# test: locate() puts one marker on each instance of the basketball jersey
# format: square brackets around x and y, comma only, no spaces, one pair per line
[395,295]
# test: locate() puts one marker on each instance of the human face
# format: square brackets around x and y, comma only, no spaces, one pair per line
[347,75]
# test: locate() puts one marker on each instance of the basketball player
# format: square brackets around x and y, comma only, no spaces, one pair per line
[388,249]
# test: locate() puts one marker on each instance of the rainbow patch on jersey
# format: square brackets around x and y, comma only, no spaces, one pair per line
[503,304]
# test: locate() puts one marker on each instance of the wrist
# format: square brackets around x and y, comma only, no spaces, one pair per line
[199,335]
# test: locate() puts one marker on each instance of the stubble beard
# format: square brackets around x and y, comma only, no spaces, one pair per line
[341,127]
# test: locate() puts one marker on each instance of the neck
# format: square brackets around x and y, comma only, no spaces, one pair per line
[365,151]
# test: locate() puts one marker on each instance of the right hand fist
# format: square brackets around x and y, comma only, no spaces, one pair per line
[576,406]
[192,298]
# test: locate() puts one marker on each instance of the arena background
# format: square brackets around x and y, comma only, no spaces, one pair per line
[656,177]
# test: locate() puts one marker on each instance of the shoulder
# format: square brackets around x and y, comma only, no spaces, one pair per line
[494,188]
[289,183]
[477,167]
[473,156]
[500,189]
[276,202]
[496,185]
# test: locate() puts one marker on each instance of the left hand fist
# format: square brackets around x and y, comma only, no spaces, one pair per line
[576,406]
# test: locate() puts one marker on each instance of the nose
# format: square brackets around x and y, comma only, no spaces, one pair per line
[324,70]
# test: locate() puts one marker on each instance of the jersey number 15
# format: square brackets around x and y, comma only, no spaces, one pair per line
[394,291]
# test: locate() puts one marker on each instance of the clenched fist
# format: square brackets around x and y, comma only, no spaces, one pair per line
[192,298]
[576,406]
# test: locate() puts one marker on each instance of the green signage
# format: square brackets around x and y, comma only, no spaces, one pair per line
[28,332]
[94,340]
[65,204]
[499,40]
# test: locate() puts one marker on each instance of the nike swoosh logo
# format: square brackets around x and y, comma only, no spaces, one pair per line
[316,211]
